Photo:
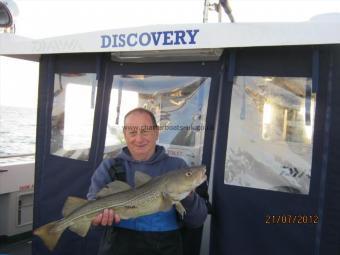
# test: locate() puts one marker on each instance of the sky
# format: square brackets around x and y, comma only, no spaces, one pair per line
[48,18]
[45,18]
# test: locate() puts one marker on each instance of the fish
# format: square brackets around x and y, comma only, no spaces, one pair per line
[149,195]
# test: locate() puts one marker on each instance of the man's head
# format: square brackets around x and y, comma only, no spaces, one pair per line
[141,133]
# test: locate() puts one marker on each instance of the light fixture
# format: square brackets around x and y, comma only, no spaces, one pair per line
[267,113]
[266,120]
[188,55]
[8,13]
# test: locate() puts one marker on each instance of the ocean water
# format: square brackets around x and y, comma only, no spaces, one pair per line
[17,130]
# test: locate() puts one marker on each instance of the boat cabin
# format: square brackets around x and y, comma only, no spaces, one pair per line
[258,104]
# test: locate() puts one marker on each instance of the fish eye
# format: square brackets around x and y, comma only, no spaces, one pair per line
[188,173]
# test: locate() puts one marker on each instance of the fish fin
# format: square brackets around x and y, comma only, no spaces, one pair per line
[141,178]
[166,203]
[48,234]
[81,227]
[71,204]
[112,188]
[180,209]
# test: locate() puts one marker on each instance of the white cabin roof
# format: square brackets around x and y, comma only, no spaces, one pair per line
[175,37]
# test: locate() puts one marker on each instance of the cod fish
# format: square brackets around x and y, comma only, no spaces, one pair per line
[150,195]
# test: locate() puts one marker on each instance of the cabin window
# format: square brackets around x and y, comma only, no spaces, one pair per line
[73,114]
[179,104]
[18,100]
[270,136]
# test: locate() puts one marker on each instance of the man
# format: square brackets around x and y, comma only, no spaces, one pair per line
[151,234]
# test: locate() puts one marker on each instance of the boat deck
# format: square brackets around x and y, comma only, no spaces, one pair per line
[22,247]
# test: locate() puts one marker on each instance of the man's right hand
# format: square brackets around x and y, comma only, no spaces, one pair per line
[106,218]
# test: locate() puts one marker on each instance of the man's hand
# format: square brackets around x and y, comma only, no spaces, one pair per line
[106,218]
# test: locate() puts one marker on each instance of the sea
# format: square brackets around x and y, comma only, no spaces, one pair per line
[17,131]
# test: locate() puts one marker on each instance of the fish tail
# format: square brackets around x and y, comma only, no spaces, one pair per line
[49,234]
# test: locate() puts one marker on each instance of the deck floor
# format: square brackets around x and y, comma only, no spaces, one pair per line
[18,248]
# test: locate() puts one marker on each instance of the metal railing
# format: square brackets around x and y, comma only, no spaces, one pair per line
[17,155]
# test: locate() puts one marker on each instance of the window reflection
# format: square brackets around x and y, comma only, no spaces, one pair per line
[72,114]
[270,135]
[179,104]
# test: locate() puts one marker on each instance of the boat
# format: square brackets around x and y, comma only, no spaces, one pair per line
[255,102]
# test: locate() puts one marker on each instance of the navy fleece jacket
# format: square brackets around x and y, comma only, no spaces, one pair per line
[158,164]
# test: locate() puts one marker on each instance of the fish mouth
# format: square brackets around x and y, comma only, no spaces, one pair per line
[203,177]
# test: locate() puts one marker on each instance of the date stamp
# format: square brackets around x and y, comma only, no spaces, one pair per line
[291,219]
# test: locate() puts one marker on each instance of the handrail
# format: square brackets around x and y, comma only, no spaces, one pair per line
[17,155]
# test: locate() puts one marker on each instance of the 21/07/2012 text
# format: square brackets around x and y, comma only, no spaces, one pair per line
[291,219]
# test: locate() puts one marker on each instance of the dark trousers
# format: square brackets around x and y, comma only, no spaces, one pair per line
[119,241]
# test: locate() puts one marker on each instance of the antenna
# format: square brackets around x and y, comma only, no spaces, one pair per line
[208,6]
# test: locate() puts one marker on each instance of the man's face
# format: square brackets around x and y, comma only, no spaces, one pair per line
[140,135]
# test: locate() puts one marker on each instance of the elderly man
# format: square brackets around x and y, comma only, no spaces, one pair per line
[157,233]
